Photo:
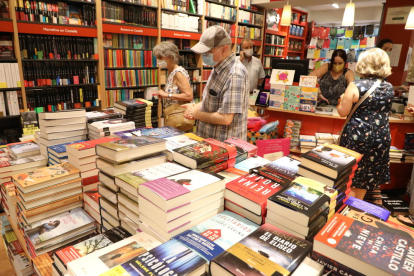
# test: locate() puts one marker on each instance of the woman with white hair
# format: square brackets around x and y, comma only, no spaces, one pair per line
[177,88]
[367,131]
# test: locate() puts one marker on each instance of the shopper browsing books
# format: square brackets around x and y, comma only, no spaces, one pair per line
[368,131]
[333,78]
[253,64]
[177,89]
[222,114]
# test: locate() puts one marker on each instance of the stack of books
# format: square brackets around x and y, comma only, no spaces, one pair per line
[302,208]
[103,115]
[322,138]
[8,199]
[48,191]
[108,128]
[250,163]
[82,156]
[396,155]
[333,166]
[57,154]
[307,142]
[61,127]
[250,148]
[292,131]
[91,204]
[119,157]
[128,184]
[169,206]
[135,110]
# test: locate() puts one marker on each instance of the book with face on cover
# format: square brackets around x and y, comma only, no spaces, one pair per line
[129,149]
[102,260]
[24,149]
[266,251]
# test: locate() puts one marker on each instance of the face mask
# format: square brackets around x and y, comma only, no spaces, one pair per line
[338,68]
[388,53]
[208,58]
[248,52]
[161,63]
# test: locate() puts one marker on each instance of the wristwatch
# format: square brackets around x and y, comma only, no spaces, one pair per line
[169,95]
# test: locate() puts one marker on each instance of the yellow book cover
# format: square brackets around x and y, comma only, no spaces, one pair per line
[352,153]
[42,175]
[317,53]
[194,137]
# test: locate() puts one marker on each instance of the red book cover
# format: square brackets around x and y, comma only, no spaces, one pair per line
[273,149]
[221,166]
[231,149]
[250,148]
[90,180]
[367,247]
[315,32]
[92,143]
[93,194]
[255,188]
[324,33]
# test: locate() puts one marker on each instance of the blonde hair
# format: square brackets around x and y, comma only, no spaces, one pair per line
[167,49]
[373,63]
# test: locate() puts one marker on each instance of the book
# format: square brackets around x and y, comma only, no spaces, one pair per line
[92,198]
[60,150]
[396,205]
[24,149]
[250,163]
[367,207]
[292,98]
[356,246]
[130,149]
[45,177]
[250,148]
[171,192]
[9,165]
[86,148]
[68,254]
[204,154]
[282,170]
[102,260]
[56,228]
[328,160]
[251,191]
[62,114]
[131,181]
[161,132]
[332,267]
[302,201]
[308,140]
[176,142]
[309,267]
[267,249]
[273,149]
[344,177]
[42,264]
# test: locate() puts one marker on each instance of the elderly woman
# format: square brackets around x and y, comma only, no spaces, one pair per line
[177,89]
[368,131]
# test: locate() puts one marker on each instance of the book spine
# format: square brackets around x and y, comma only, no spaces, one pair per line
[52,206]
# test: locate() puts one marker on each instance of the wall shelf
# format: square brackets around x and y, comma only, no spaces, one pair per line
[184,12]
[61,86]
[219,19]
[132,4]
[219,3]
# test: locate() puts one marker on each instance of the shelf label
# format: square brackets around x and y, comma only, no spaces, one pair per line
[179,34]
[51,29]
[6,26]
[122,29]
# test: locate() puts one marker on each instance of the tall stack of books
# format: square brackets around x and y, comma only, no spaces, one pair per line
[135,110]
[47,191]
[108,128]
[61,127]
[119,157]
[307,142]
[57,154]
[169,206]
[302,208]
[8,199]
[82,156]
[333,166]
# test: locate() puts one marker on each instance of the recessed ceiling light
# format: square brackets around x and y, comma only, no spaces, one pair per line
[336,6]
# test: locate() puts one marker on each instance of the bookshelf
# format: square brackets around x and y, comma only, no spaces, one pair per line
[97,30]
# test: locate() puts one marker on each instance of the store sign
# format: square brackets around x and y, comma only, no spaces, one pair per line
[122,29]
[49,29]
[178,34]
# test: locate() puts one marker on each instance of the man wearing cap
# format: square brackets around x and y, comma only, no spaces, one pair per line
[222,114]
[253,64]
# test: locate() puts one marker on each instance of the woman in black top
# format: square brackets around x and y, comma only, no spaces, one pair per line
[333,78]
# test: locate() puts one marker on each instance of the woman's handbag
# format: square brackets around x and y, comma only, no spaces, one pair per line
[366,95]
[174,117]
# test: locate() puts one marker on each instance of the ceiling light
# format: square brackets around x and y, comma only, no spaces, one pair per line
[349,15]
[410,20]
[286,15]
[335,5]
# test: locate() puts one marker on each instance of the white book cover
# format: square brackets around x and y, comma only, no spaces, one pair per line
[111,125]
[23,147]
[115,254]
[179,141]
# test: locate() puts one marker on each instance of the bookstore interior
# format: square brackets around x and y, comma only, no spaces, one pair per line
[206,137]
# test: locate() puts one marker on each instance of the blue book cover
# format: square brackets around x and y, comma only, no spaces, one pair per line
[128,133]
[348,44]
[213,236]
[170,258]
[62,147]
[250,163]
[51,155]
[160,132]
[369,208]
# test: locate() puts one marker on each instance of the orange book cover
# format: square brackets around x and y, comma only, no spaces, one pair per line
[52,206]
[43,264]
[42,175]
[51,187]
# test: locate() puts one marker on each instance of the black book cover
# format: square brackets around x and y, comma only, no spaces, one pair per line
[266,249]
[357,30]
[344,176]
[396,205]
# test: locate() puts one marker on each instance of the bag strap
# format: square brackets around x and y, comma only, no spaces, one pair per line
[366,95]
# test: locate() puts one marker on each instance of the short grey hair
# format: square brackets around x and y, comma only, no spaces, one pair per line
[246,40]
[167,49]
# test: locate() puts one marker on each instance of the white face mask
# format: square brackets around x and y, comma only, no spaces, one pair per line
[208,59]
[248,52]
[161,63]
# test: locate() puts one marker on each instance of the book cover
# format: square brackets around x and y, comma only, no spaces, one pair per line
[111,125]
[292,98]
[216,168]
[387,251]
[180,184]
[308,138]
[309,93]
[43,264]
[179,141]
[7,162]
[330,158]
[396,205]
[91,143]
[306,105]
[55,226]
[23,147]
[62,147]
[364,206]
[272,149]
[213,236]
[91,245]
[409,141]
[255,188]
[127,144]
[282,170]
[131,104]
[267,251]
[250,148]
[93,194]
[252,162]
[171,258]
[332,267]
[38,176]
[126,134]
[161,132]
[141,176]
